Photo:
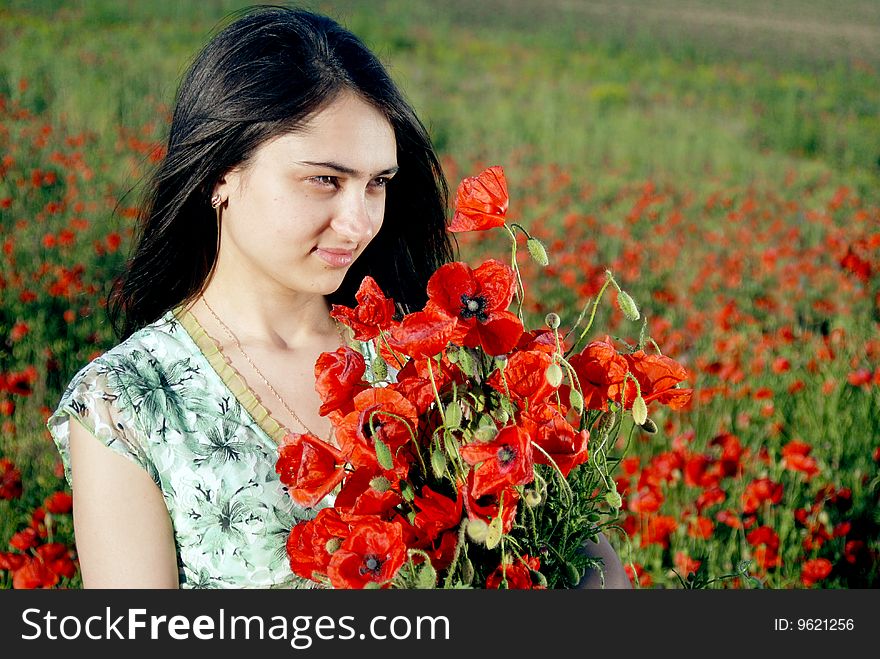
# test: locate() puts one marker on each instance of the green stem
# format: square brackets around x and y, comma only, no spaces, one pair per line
[592,316]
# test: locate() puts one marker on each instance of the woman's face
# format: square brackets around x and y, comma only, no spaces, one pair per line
[307,204]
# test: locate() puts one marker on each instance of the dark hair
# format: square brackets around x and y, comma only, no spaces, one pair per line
[264,75]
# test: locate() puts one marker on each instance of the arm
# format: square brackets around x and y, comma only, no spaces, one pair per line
[123,532]
[615,575]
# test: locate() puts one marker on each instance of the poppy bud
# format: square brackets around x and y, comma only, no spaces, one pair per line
[494,532]
[477,530]
[552,320]
[639,410]
[427,576]
[627,305]
[532,498]
[571,574]
[379,368]
[606,423]
[501,415]
[467,571]
[536,249]
[380,484]
[649,427]
[614,500]
[554,375]
[538,579]
[452,415]
[485,433]
[576,401]
[438,463]
[383,454]
[333,544]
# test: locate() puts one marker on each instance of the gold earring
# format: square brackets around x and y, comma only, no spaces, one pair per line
[216,200]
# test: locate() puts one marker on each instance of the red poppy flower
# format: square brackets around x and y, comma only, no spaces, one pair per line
[373,552]
[481,201]
[310,468]
[524,377]
[796,457]
[372,314]
[658,377]
[711,497]
[543,340]
[437,512]
[638,576]
[600,369]
[657,530]
[815,569]
[441,550]
[478,300]
[338,377]
[766,547]
[516,575]
[309,543]
[380,412]
[685,564]
[700,527]
[24,539]
[487,507]
[506,460]
[10,480]
[59,503]
[358,496]
[11,561]
[34,573]
[758,492]
[422,334]
[414,381]
[550,431]
[56,556]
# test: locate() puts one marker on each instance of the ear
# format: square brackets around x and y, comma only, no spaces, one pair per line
[220,191]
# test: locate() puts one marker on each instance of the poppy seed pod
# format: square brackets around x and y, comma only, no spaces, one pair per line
[552,320]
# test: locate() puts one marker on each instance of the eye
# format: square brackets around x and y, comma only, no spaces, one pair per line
[380,182]
[325,181]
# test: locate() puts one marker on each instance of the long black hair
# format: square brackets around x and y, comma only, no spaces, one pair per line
[264,75]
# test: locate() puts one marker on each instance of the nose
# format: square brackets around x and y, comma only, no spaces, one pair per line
[354,219]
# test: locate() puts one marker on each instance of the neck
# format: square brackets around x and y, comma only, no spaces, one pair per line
[285,320]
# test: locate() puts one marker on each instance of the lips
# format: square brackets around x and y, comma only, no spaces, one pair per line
[337,258]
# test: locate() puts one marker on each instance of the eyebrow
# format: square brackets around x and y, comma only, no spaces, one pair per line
[342,169]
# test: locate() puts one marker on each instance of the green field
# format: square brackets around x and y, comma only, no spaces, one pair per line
[722,158]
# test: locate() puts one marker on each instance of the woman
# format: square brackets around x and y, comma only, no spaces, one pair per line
[294,168]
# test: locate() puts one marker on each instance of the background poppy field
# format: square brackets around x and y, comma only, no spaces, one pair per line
[722,159]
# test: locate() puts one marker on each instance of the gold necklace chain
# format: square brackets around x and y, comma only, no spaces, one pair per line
[235,340]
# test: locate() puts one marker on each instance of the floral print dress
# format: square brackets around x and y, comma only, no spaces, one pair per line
[167,399]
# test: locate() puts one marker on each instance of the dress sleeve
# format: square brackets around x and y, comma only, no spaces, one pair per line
[106,412]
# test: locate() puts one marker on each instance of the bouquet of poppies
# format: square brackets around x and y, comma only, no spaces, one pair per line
[472,452]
